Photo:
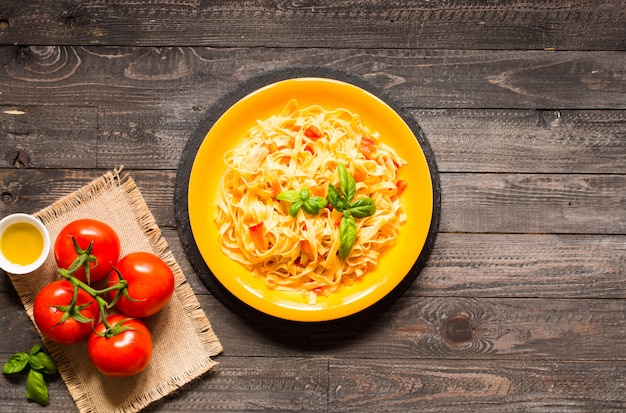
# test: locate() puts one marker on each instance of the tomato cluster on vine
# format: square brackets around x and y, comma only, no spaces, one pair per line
[102,297]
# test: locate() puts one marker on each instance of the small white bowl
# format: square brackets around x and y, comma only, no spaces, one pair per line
[14,268]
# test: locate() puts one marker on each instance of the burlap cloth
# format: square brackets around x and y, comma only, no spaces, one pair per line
[183,339]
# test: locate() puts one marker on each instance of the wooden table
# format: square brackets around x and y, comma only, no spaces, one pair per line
[522,304]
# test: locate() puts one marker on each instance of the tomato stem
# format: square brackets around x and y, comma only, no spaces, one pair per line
[83,258]
[121,285]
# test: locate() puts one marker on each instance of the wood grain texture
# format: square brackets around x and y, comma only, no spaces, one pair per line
[533,203]
[544,141]
[184,78]
[30,136]
[490,386]
[435,24]
[257,384]
[525,265]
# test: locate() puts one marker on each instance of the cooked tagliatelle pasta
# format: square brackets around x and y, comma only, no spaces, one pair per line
[302,148]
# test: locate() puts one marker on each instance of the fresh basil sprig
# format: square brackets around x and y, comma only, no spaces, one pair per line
[302,199]
[342,200]
[40,363]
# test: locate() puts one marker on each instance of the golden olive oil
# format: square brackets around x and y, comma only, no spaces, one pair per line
[21,243]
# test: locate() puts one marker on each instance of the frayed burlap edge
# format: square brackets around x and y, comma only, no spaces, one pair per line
[190,303]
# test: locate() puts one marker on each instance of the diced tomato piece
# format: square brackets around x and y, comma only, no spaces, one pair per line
[257,233]
[313,132]
[367,147]
[306,247]
[401,185]
[276,189]
[359,175]
[317,191]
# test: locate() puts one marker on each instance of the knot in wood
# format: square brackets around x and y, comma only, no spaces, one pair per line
[458,329]
[18,158]
[70,22]
[7,197]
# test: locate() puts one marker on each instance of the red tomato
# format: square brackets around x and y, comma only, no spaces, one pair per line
[150,284]
[124,354]
[105,250]
[47,315]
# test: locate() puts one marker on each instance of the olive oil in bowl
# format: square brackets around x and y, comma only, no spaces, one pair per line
[24,243]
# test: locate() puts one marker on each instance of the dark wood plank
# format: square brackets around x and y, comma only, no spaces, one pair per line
[533,203]
[545,141]
[529,265]
[254,384]
[461,386]
[30,190]
[31,136]
[494,328]
[580,24]
[181,79]
[147,137]
[248,384]
[455,328]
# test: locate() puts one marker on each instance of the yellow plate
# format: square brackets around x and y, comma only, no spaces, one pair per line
[230,130]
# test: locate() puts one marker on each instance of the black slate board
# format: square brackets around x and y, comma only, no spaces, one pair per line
[309,334]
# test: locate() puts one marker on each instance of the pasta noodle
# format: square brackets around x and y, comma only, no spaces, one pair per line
[294,150]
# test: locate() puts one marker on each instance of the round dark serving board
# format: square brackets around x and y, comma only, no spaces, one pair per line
[309,334]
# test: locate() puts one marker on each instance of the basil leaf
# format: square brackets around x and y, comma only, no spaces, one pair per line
[320,201]
[15,364]
[313,205]
[334,197]
[36,388]
[347,236]
[295,207]
[310,207]
[347,184]
[34,349]
[290,196]
[305,194]
[48,366]
[35,362]
[363,207]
